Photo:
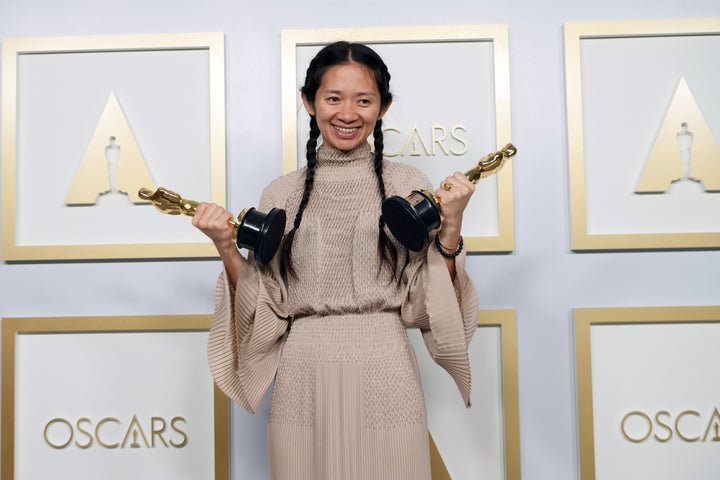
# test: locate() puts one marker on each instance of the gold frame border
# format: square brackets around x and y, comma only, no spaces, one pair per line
[498,34]
[575,32]
[585,318]
[506,321]
[13,47]
[166,323]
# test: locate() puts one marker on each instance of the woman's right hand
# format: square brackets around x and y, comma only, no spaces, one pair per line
[213,220]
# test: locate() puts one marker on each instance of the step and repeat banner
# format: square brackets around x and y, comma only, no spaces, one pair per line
[132,397]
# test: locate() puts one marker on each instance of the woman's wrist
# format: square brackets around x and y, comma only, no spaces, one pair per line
[448,251]
[449,242]
[449,235]
[225,246]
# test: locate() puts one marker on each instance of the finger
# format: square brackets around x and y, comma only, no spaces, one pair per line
[461,180]
[200,208]
[448,183]
[461,186]
[200,211]
[207,215]
[219,213]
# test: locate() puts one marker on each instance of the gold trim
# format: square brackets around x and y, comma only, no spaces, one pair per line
[506,320]
[13,47]
[13,326]
[498,34]
[575,32]
[438,470]
[585,318]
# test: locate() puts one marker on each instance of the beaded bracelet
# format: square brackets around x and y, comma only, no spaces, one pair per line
[441,248]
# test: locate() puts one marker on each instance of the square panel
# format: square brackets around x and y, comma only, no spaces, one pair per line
[87,122]
[111,397]
[647,399]
[643,134]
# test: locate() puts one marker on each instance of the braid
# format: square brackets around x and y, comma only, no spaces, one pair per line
[379,146]
[386,249]
[311,156]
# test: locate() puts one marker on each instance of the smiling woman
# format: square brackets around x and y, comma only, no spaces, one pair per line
[326,317]
[347,106]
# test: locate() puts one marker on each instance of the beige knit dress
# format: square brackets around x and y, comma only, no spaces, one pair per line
[347,401]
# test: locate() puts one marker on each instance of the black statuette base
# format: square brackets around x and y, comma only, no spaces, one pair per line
[411,219]
[262,233]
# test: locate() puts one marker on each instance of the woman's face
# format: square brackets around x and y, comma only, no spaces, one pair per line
[347,105]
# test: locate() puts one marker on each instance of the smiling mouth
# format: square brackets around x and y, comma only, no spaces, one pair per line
[345,131]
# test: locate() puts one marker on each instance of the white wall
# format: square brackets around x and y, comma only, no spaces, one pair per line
[542,279]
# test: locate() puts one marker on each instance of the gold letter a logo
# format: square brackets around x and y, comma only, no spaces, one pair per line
[684,149]
[112,162]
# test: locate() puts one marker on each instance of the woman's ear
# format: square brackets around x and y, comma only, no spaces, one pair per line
[308,106]
[383,110]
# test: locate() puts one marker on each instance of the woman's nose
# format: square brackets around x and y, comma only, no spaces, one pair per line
[347,111]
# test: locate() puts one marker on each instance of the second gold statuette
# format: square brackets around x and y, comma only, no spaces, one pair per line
[253,230]
[411,218]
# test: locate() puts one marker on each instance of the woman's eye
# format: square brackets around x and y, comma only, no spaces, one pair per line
[333,99]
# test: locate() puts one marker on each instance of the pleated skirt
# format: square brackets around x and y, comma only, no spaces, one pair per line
[348,403]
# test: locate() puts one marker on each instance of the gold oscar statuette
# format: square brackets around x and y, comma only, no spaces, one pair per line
[411,218]
[253,230]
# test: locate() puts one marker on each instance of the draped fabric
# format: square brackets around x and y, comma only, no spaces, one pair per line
[347,401]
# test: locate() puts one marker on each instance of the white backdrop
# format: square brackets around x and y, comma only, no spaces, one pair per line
[542,280]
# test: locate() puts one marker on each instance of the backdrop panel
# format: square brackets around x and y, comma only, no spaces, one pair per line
[647,394]
[87,122]
[643,133]
[112,398]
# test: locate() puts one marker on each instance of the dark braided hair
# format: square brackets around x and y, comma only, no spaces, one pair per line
[387,250]
[341,53]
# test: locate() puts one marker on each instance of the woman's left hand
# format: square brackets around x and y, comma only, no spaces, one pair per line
[454,194]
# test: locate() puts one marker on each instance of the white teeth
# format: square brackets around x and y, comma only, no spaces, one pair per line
[345,130]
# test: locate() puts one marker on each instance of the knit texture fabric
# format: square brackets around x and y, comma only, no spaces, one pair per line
[347,401]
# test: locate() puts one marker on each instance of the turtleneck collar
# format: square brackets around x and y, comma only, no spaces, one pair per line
[328,155]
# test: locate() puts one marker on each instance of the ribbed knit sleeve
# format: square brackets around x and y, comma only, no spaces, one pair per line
[249,326]
[446,313]
[246,336]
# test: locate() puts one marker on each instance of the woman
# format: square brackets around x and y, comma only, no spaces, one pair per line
[347,401]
